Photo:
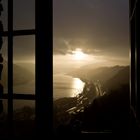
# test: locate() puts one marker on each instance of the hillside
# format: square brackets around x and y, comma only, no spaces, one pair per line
[21,75]
[107,112]
[111,78]
[101,73]
[120,79]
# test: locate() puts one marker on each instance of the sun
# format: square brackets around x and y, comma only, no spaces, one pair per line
[78,54]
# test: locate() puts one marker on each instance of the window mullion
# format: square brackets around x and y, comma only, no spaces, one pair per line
[10,65]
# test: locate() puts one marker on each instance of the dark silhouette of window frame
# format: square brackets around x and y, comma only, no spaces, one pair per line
[43,77]
[135,56]
[10,96]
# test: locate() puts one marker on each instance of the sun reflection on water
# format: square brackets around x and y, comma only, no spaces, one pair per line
[78,85]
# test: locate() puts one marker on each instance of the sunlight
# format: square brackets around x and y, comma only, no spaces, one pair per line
[78,54]
[78,85]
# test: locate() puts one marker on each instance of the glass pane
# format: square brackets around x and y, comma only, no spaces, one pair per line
[3,119]
[4,103]
[24,117]
[4,52]
[24,109]
[24,14]
[24,64]
[91,65]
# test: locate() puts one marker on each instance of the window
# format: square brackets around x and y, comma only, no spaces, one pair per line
[14,31]
[15,75]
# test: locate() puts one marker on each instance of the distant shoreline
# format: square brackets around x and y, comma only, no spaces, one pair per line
[55,98]
[81,78]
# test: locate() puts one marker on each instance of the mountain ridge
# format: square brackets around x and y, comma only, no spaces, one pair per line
[21,75]
[109,77]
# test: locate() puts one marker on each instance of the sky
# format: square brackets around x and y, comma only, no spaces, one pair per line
[23,18]
[100,28]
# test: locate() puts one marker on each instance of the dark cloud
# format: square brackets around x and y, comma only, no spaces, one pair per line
[23,14]
[63,46]
[60,46]
[92,25]
[96,26]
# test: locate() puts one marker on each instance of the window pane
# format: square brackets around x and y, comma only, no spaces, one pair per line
[24,109]
[5,105]
[24,64]
[3,119]
[24,117]
[4,52]
[24,14]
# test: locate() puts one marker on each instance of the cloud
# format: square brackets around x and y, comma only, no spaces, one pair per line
[60,46]
[63,46]
[96,26]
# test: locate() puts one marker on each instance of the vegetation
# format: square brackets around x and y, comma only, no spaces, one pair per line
[107,112]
